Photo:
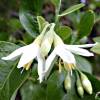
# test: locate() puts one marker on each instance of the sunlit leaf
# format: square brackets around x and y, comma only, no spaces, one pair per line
[71,9]
[28,22]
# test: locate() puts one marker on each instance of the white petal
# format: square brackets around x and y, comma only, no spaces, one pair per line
[79,51]
[82,46]
[14,54]
[65,55]
[41,65]
[29,54]
[49,64]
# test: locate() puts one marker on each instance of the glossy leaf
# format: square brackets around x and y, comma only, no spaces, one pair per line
[27,10]
[86,24]
[96,49]
[71,9]
[28,22]
[10,77]
[83,64]
[64,32]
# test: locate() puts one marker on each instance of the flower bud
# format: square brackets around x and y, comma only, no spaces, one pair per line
[86,83]
[47,41]
[67,82]
[80,89]
[39,38]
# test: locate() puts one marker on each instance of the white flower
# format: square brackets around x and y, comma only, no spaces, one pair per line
[28,54]
[65,52]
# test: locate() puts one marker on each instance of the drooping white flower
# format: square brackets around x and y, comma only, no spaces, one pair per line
[29,53]
[65,52]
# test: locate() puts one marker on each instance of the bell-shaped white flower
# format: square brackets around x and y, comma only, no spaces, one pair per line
[65,52]
[29,53]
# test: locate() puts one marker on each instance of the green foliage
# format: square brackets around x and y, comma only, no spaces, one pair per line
[83,64]
[10,77]
[86,24]
[14,24]
[53,88]
[28,22]
[33,90]
[3,36]
[96,48]
[71,9]
[34,6]
[64,32]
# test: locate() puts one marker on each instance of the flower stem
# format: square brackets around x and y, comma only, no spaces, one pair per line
[57,12]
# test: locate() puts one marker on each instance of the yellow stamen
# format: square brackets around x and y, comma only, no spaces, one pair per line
[28,65]
[69,67]
[60,66]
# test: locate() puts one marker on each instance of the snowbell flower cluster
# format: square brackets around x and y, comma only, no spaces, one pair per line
[39,50]
[66,54]
[29,53]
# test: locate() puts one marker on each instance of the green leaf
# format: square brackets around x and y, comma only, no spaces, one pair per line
[29,8]
[64,32]
[71,9]
[55,86]
[86,24]
[28,22]
[49,90]
[83,64]
[97,39]
[34,6]
[10,77]
[33,91]
[41,23]
[96,48]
